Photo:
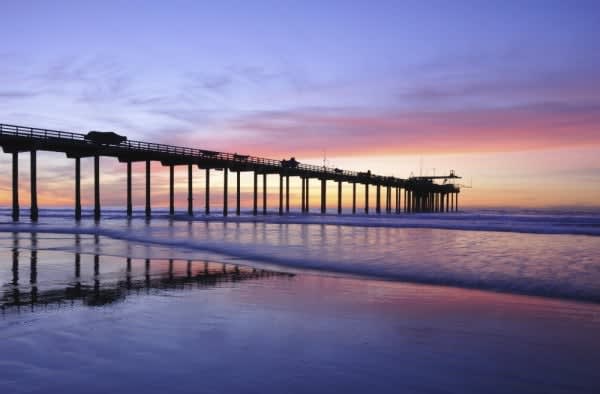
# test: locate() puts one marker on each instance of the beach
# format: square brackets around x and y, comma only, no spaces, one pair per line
[91,311]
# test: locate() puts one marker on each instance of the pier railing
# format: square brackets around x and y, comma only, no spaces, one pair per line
[151,147]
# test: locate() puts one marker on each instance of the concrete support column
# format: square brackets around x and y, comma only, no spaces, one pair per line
[281,194]
[15,186]
[225,196]
[447,202]
[323,196]
[207,192]
[302,195]
[339,197]
[306,204]
[388,200]
[264,194]
[148,203]
[353,198]
[456,204]
[190,197]
[237,194]
[97,187]
[129,197]
[77,188]
[366,198]
[287,194]
[33,179]
[172,189]
[378,199]
[255,195]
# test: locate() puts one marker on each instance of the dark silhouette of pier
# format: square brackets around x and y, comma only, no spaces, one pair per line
[414,194]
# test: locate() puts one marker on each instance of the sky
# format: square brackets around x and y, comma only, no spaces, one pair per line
[505,93]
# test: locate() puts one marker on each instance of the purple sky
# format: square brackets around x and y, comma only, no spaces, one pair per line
[383,83]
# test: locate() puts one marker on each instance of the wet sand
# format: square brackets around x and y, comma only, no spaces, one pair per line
[155,325]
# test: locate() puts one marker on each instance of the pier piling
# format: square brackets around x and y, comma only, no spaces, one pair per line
[237,194]
[77,188]
[129,197]
[148,202]
[171,189]
[15,186]
[207,192]
[225,196]
[190,197]
[33,213]
[96,187]
[255,195]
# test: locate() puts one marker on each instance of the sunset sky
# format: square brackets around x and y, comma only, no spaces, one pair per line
[505,93]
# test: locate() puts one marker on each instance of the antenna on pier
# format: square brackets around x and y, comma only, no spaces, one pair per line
[421,166]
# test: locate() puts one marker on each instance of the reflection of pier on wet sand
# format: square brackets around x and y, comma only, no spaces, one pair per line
[94,290]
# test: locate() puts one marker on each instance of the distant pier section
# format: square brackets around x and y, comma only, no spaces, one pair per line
[414,194]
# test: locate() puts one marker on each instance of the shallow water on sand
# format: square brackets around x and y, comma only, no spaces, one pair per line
[561,263]
[78,320]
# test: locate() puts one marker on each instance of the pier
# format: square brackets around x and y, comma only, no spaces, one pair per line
[398,195]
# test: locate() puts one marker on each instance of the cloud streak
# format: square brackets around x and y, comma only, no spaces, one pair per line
[307,133]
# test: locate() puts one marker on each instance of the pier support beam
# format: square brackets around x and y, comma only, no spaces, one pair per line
[255,195]
[456,203]
[33,179]
[225,182]
[172,189]
[366,198]
[237,194]
[378,199]
[353,198]
[96,187]
[281,194]
[287,194]
[339,197]
[306,205]
[77,188]
[129,197]
[302,195]
[207,192]
[148,205]
[264,194]
[323,196]
[15,186]
[388,200]
[190,192]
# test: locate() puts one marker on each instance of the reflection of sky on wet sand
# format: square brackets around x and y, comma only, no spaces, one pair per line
[282,333]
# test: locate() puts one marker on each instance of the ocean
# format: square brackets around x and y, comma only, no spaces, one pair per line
[476,301]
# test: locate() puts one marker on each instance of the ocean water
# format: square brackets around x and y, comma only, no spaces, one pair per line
[469,302]
[552,254]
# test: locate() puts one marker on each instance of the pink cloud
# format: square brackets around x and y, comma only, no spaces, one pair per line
[307,133]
